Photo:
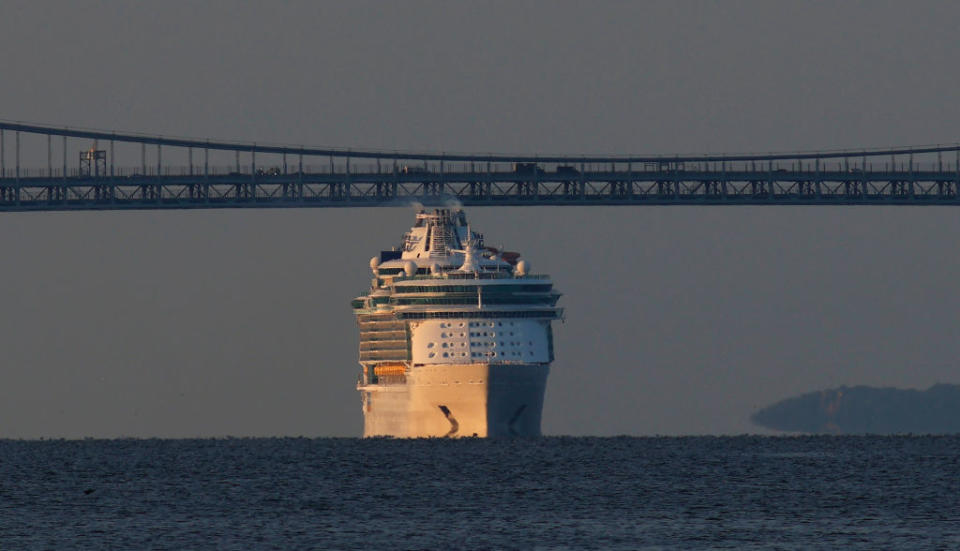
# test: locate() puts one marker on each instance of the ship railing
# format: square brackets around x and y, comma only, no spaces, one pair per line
[391,379]
[470,275]
[366,336]
[399,355]
[373,345]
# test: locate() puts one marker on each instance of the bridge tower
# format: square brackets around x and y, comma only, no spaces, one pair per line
[93,162]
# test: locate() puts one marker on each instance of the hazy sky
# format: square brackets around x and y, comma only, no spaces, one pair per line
[680,320]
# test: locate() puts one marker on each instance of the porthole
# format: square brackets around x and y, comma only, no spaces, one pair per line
[430,345]
[443,335]
[432,354]
[444,345]
[445,355]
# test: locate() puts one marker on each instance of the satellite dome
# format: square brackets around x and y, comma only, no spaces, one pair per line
[435,268]
[523,268]
[410,268]
[374,264]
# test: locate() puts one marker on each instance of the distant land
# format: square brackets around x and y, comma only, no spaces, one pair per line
[864,409]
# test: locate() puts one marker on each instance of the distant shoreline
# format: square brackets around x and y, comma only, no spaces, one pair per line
[867,410]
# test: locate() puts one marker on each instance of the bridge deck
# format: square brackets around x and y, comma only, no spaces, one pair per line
[590,188]
[905,176]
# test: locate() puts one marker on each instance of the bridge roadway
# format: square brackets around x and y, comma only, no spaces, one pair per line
[904,176]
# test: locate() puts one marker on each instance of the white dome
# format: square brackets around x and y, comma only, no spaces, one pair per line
[374,264]
[410,268]
[435,268]
[523,268]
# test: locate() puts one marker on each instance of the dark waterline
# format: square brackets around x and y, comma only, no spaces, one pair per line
[546,493]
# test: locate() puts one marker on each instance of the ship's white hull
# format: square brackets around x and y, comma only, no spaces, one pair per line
[458,400]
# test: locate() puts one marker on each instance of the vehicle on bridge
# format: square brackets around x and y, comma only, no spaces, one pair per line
[408,169]
[528,168]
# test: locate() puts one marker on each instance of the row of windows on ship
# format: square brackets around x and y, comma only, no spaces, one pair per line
[478,354]
[473,334]
[544,314]
[478,344]
[476,324]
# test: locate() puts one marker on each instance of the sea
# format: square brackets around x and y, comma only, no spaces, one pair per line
[740,492]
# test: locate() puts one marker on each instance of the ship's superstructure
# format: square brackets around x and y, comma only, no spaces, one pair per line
[455,337]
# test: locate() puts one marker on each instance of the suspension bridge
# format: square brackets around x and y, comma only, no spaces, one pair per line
[46,168]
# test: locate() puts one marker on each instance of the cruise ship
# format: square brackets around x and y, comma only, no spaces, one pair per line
[455,336]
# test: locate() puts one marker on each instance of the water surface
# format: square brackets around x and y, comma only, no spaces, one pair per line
[544,493]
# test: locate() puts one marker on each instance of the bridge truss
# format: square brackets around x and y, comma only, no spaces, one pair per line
[267,176]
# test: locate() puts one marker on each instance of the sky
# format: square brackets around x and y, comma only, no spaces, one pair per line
[679,320]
